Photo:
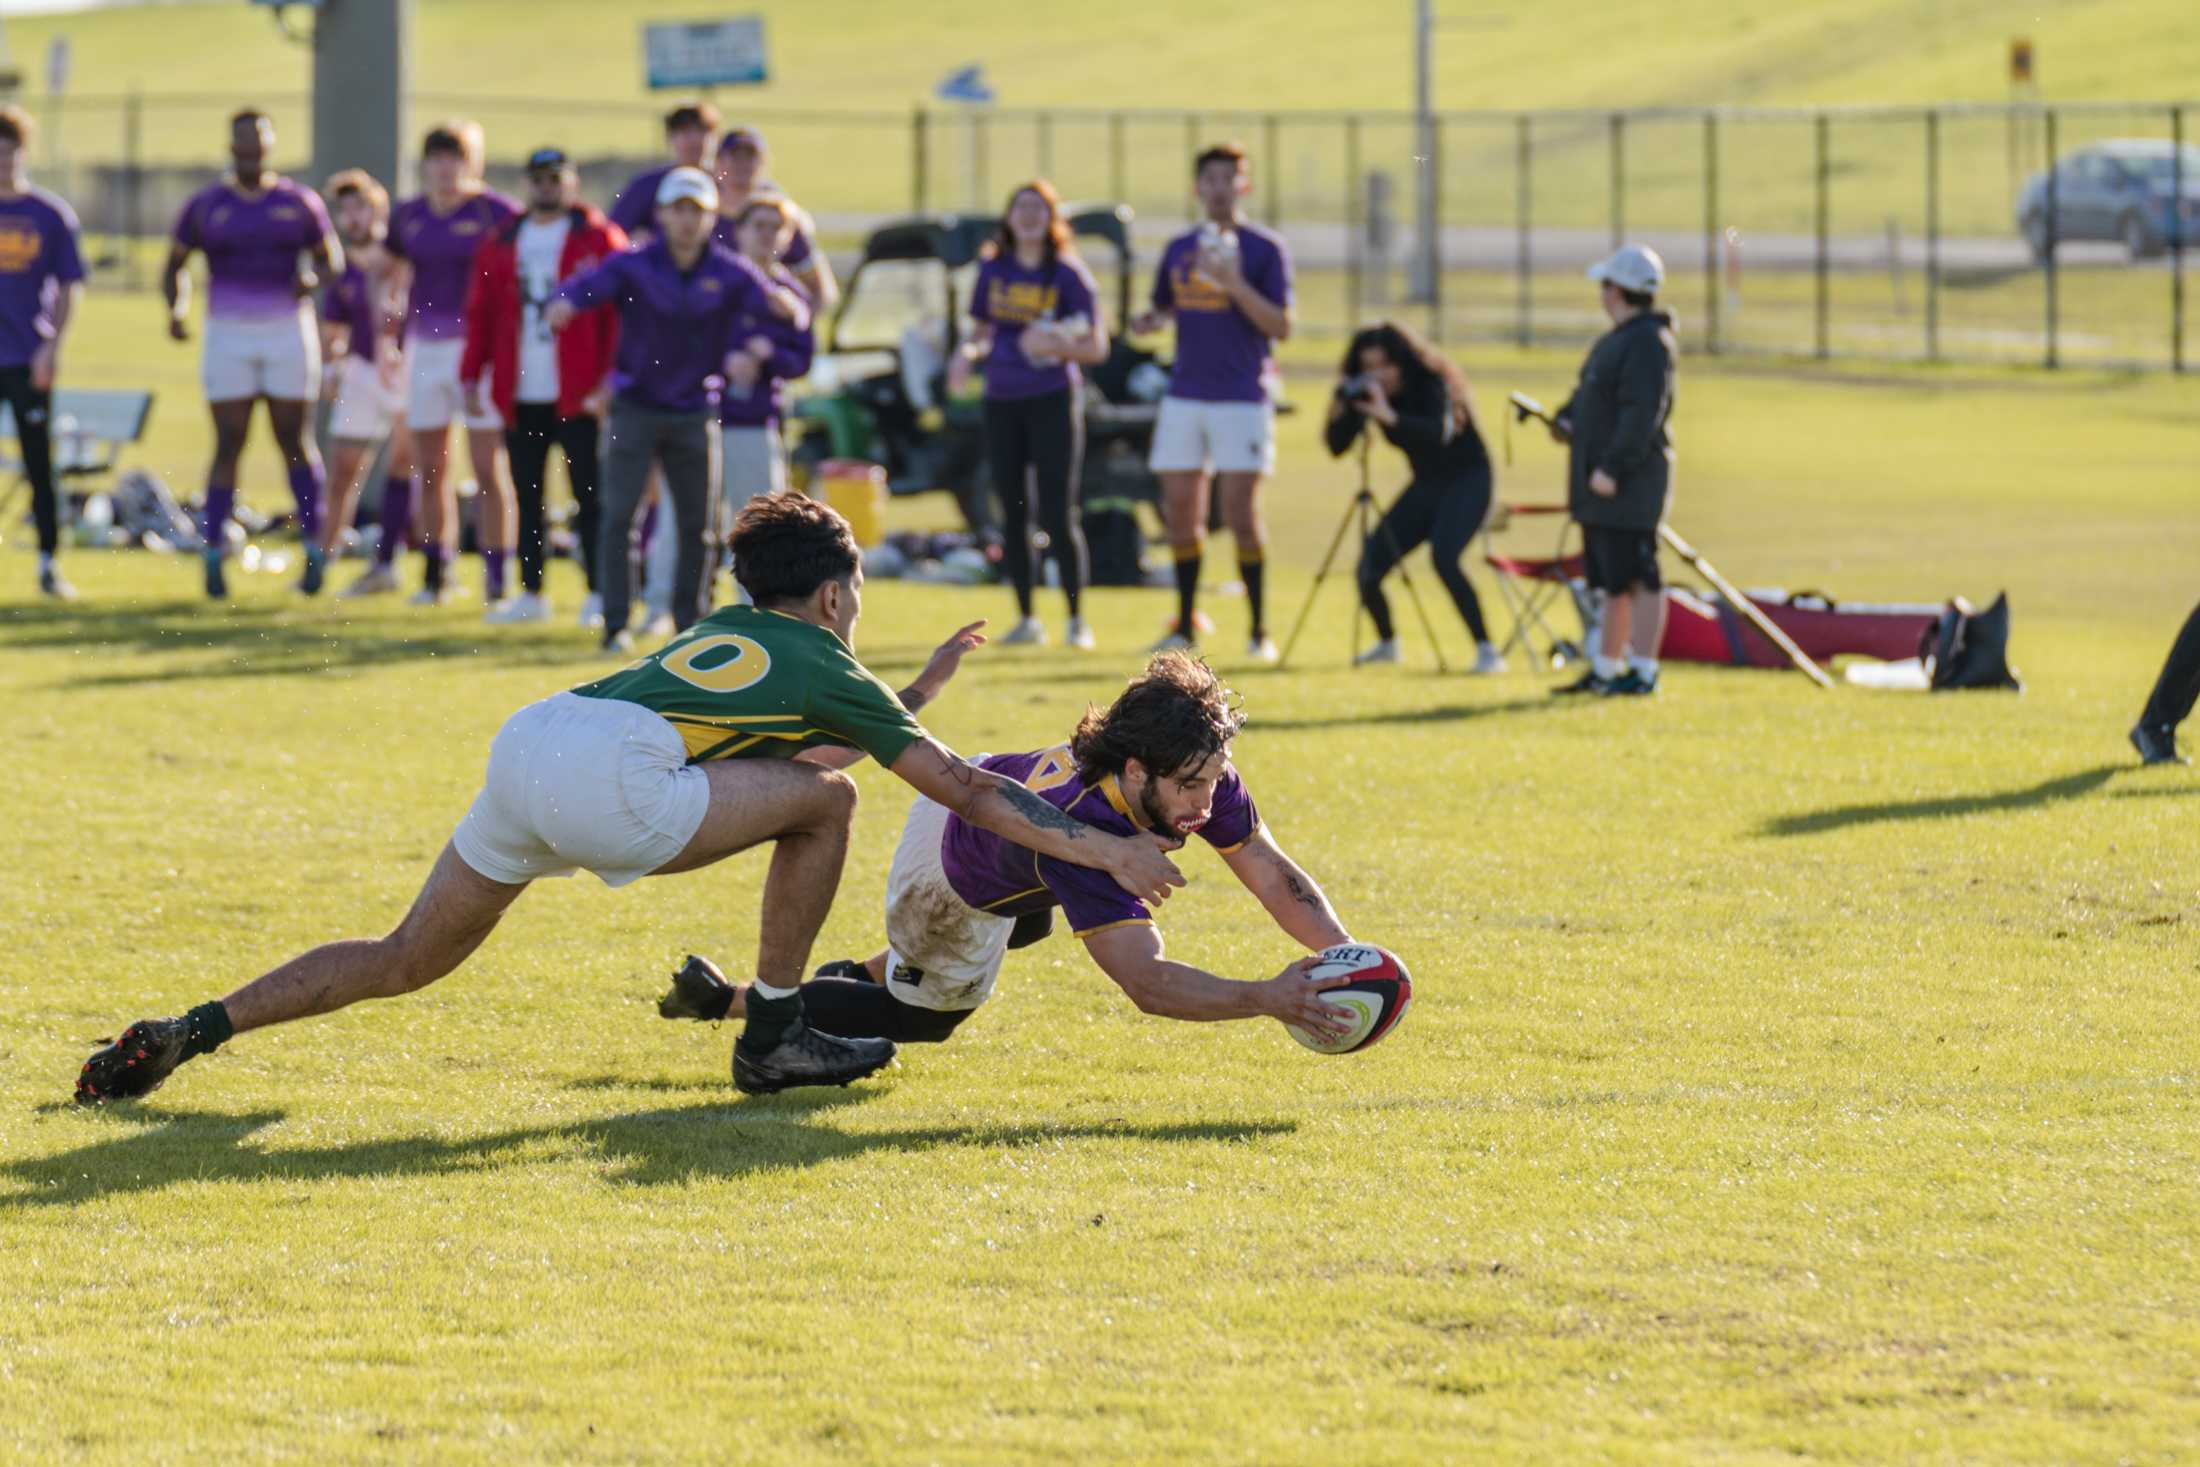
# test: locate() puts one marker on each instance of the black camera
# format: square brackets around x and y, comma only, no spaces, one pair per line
[1357,386]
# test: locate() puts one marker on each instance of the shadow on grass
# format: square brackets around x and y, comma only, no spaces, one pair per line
[1450,713]
[2047,792]
[676,1144]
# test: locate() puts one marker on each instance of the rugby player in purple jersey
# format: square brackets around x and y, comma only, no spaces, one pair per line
[361,337]
[261,342]
[959,898]
[1227,285]
[689,128]
[434,238]
[742,176]
[41,277]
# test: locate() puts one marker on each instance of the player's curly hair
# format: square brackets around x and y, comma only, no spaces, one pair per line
[786,545]
[1172,718]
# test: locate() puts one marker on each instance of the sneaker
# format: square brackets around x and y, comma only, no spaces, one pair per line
[660,625]
[217,588]
[1030,632]
[1385,651]
[1488,660]
[1079,635]
[620,642]
[377,581]
[135,1064]
[2156,743]
[592,613]
[1175,641]
[1264,649]
[527,606]
[1630,684]
[1588,682]
[51,584]
[806,1057]
[450,592]
[310,583]
[699,991]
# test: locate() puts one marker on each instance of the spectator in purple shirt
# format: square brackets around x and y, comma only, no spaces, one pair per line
[689,128]
[742,165]
[1036,320]
[41,276]
[680,300]
[261,341]
[769,351]
[1227,285]
[434,239]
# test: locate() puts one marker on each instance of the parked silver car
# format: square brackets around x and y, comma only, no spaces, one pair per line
[2124,190]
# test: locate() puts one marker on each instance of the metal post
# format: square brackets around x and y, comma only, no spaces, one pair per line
[1823,264]
[1433,263]
[133,185]
[1355,225]
[981,157]
[1191,151]
[1524,260]
[920,158]
[1619,179]
[1711,231]
[1271,162]
[2054,234]
[2177,239]
[1046,145]
[1425,262]
[362,76]
[1119,182]
[1932,235]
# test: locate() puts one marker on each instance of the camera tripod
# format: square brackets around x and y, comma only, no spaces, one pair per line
[1369,512]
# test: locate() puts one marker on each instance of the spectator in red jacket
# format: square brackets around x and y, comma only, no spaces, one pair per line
[549,389]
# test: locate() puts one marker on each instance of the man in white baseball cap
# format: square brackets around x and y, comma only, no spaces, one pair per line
[1620,472]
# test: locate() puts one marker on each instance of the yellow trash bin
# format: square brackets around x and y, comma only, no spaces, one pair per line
[858,490]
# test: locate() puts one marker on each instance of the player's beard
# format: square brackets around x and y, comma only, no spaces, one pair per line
[1157,819]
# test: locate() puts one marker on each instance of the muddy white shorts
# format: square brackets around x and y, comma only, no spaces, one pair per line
[434,397]
[583,784]
[1227,437]
[366,408]
[262,356]
[941,952]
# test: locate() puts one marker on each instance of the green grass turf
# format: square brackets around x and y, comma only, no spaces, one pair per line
[1793,1075]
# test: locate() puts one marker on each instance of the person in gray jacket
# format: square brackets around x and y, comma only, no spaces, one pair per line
[1620,470]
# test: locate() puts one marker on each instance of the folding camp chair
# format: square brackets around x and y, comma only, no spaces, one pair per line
[1531,586]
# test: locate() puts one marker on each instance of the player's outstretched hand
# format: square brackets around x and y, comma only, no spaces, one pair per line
[947,659]
[1296,1000]
[1144,870]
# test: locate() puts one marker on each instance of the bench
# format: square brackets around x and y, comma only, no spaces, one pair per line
[91,427]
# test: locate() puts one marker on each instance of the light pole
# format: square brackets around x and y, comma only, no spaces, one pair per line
[1425,224]
[362,75]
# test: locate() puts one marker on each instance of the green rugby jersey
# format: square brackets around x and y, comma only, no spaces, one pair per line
[749,684]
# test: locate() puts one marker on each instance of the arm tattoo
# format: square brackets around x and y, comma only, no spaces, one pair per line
[1300,894]
[912,697]
[1039,812]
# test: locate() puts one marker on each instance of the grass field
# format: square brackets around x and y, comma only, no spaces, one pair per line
[1794,1075]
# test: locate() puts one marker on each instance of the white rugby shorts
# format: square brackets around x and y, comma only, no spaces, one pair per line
[365,407]
[583,784]
[434,397]
[1226,437]
[262,356]
[941,952]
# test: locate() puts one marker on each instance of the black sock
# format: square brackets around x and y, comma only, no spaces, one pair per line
[207,1029]
[1251,572]
[1187,588]
[769,1020]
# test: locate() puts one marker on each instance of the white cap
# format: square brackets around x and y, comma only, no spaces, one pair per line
[1631,267]
[688,183]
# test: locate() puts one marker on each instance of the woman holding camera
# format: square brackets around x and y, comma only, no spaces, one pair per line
[1034,320]
[1418,397]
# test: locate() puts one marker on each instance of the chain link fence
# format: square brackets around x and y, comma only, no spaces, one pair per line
[1915,233]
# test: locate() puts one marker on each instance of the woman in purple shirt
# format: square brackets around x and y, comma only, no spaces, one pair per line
[1035,320]
[261,341]
[41,276]
[433,240]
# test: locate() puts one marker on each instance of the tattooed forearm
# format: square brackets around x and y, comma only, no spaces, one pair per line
[1039,812]
[914,697]
[1300,893]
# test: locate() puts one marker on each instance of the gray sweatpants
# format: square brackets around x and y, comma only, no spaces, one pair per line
[685,445]
[754,462]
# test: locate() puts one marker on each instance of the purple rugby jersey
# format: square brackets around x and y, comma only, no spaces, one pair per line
[675,327]
[1011,298]
[799,244]
[38,256]
[998,876]
[441,250]
[349,301]
[1220,355]
[792,350]
[252,246]
[636,206]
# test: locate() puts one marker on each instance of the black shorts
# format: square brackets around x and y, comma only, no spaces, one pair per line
[1620,560]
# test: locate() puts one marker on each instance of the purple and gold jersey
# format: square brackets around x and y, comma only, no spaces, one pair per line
[1011,297]
[350,301]
[1220,355]
[39,255]
[252,244]
[996,875]
[441,249]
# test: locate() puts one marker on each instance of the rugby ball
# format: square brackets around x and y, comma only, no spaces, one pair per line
[1378,995]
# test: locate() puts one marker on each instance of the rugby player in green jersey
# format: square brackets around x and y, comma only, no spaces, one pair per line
[730,737]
